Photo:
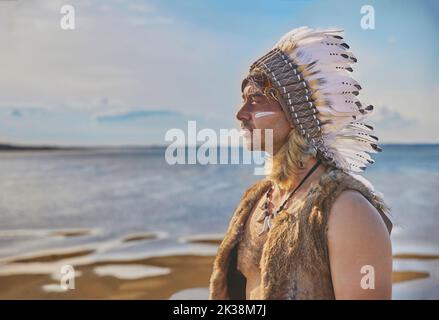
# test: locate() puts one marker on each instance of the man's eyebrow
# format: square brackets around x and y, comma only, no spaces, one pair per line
[253,94]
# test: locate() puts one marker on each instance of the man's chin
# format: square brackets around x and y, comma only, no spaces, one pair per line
[250,146]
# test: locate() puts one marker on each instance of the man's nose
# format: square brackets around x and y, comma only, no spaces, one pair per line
[243,113]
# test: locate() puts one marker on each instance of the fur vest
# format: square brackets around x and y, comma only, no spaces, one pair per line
[295,260]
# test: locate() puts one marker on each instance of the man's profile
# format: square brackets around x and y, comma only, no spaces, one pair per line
[312,226]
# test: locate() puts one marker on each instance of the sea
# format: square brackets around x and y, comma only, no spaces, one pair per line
[114,193]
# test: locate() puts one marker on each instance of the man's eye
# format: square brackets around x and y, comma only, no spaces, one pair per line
[253,100]
[256,99]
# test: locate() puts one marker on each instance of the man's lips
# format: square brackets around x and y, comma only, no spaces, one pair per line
[245,132]
[246,127]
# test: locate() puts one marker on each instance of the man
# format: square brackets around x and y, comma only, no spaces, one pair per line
[312,229]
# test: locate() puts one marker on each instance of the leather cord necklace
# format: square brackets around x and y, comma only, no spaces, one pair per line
[266,216]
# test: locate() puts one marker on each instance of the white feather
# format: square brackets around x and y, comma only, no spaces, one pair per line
[360,154]
[329,111]
[289,36]
[325,57]
[354,144]
[335,123]
[333,80]
[361,126]
[330,68]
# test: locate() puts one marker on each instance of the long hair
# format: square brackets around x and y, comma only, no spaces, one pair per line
[291,157]
[289,160]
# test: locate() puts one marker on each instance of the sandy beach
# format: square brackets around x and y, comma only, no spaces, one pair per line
[186,272]
[36,276]
[162,277]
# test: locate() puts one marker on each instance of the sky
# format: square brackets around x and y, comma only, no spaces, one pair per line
[131,70]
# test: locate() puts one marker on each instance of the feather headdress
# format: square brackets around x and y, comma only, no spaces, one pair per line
[311,71]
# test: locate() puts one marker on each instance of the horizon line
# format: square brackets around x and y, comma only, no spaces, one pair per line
[54,146]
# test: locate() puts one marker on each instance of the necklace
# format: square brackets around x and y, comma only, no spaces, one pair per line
[266,215]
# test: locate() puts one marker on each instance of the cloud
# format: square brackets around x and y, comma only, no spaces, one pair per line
[158,53]
[141,7]
[20,112]
[133,115]
[127,55]
[143,21]
[393,126]
[16,113]
[75,126]
[389,118]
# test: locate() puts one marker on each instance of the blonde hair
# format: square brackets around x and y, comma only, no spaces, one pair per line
[290,159]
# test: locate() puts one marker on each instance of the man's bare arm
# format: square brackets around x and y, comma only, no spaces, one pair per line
[358,242]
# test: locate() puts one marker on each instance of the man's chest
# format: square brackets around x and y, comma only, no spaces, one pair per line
[251,245]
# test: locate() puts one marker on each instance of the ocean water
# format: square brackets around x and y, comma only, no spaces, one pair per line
[116,192]
[119,192]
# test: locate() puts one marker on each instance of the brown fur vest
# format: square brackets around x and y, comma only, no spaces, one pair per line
[295,260]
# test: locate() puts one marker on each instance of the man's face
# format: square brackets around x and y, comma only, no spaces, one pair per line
[260,112]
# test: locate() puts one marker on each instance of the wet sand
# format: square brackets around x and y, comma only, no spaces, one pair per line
[54,256]
[70,233]
[187,271]
[204,239]
[148,278]
[415,256]
[140,237]
[400,276]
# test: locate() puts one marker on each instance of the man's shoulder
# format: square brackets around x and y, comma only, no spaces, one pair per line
[357,238]
[354,196]
[351,214]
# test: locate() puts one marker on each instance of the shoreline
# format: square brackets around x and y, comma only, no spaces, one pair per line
[154,277]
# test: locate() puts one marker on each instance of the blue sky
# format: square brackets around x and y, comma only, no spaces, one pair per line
[131,70]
